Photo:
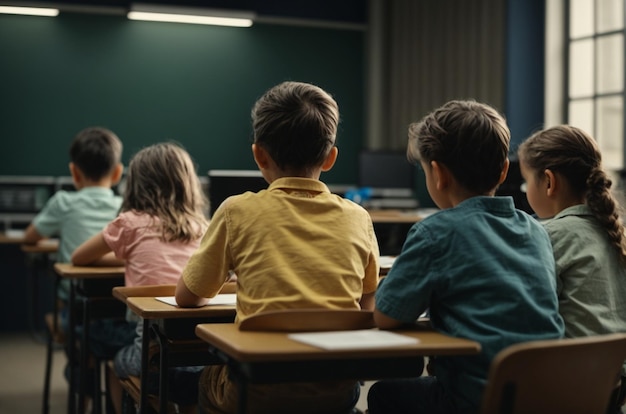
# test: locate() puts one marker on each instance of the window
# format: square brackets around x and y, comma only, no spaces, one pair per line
[595,74]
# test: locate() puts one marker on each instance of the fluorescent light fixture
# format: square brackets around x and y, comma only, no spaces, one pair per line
[31,11]
[190,15]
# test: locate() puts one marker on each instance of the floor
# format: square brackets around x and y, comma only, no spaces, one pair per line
[23,367]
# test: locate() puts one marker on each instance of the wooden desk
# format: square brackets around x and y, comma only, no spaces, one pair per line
[271,357]
[174,330]
[11,239]
[391,228]
[46,246]
[72,272]
[88,287]
[37,266]
[394,216]
[42,246]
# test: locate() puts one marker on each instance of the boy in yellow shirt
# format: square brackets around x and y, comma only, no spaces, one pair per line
[294,245]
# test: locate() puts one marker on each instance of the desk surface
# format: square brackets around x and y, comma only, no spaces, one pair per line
[43,246]
[11,238]
[247,346]
[70,271]
[151,308]
[394,216]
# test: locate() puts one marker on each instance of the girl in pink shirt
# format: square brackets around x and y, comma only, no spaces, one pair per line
[160,225]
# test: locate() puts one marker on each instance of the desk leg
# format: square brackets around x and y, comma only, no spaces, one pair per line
[71,351]
[145,365]
[83,366]
[37,265]
[49,345]
[163,369]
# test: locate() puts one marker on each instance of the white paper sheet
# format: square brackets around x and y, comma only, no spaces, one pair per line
[221,299]
[357,339]
[386,261]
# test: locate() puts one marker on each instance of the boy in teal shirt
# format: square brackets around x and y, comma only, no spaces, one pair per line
[483,269]
[75,216]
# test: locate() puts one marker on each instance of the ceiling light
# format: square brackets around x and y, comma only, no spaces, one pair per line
[190,15]
[31,11]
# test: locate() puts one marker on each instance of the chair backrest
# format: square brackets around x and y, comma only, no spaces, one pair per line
[555,376]
[306,320]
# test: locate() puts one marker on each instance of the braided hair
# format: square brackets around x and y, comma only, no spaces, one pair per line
[573,153]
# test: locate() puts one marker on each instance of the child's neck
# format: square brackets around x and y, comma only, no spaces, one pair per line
[104,183]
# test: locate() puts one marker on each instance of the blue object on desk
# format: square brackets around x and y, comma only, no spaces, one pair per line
[359,195]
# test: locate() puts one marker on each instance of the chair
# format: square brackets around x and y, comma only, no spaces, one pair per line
[55,338]
[308,320]
[555,376]
[172,351]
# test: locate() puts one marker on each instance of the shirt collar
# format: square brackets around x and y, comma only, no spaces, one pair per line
[496,204]
[577,210]
[298,183]
[96,190]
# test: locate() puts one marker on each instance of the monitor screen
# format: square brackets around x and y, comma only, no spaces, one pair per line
[225,183]
[24,194]
[386,169]
[513,186]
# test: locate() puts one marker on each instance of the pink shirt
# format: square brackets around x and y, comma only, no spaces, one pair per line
[149,261]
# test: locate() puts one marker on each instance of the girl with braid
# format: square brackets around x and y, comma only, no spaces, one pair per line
[567,185]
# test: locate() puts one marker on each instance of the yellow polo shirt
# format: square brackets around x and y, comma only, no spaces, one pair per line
[294,245]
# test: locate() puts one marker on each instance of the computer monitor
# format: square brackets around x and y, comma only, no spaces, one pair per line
[512,186]
[24,194]
[225,183]
[386,170]
[391,179]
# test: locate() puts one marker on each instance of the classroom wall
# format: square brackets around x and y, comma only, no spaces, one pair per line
[152,82]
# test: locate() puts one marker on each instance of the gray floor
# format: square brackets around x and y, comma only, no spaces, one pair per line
[23,366]
[21,383]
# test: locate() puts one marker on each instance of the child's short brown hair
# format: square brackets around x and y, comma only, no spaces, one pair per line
[470,138]
[96,151]
[296,123]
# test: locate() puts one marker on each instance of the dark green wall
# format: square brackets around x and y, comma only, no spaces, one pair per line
[151,82]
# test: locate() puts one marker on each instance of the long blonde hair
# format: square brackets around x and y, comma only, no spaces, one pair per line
[162,182]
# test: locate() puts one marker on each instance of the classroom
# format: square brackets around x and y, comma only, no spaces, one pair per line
[540,63]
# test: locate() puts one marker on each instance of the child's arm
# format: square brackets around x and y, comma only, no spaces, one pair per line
[95,252]
[31,235]
[185,297]
[367,301]
[385,322]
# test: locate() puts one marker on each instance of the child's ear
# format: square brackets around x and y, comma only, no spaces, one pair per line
[505,171]
[551,182]
[440,175]
[116,175]
[331,158]
[76,174]
[261,157]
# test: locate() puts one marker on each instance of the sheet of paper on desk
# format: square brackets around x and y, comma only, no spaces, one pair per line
[221,299]
[14,233]
[386,261]
[358,339]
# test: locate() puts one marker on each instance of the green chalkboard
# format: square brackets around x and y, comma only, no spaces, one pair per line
[152,82]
